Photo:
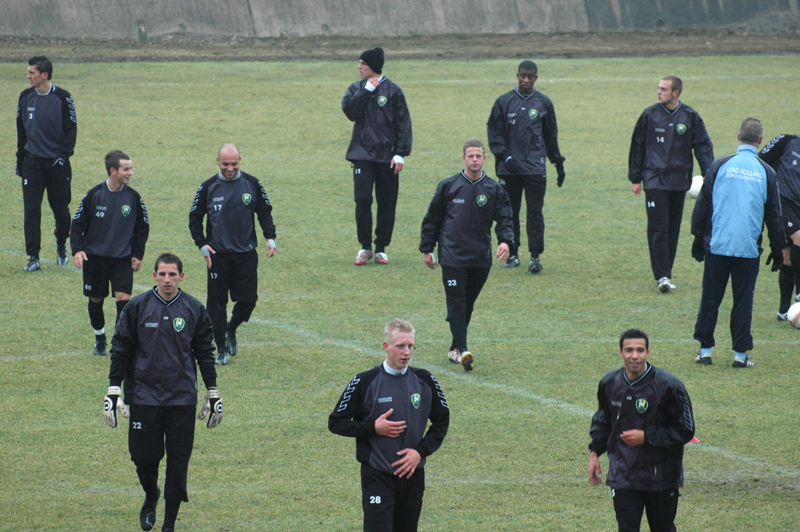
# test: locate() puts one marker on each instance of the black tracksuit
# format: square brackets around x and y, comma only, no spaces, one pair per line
[416,397]
[381,130]
[661,159]
[460,219]
[524,127]
[157,348]
[658,404]
[231,206]
[46,131]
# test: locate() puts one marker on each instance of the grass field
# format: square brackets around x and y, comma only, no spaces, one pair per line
[516,456]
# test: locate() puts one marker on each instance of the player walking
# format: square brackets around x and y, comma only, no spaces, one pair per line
[46,131]
[231,200]
[108,238]
[523,131]
[460,219]
[661,160]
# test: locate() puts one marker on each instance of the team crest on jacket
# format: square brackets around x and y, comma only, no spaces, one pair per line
[533,113]
[641,405]
[246,198]
[126,210]
[382,100]
[416,400]
[681,129]
[179,324]
[481,200]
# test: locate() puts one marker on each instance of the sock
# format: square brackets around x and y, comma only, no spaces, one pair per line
[233,324]
[786,286]
[120,306]
[739,356]
[458,328]
[705,351]
[170,513]
[794,257]
[96,317]
[380,249]
[219,339]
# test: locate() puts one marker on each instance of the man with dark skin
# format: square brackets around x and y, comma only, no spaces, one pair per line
[523,132]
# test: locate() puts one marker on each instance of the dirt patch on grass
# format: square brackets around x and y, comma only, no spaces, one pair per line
[531,45]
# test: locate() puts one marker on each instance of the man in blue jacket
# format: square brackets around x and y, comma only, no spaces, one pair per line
[739,196]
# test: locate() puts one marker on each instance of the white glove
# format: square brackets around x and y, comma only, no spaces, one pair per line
[213,405]
[113,405]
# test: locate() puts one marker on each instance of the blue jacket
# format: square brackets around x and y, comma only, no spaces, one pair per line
[739,196]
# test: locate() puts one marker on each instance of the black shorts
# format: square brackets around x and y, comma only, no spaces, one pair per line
[791,218]
[234,273]
[99,271]
[390,502]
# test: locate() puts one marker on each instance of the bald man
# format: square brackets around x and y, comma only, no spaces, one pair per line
[231,200]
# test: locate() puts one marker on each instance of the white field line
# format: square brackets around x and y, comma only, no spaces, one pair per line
[512,390]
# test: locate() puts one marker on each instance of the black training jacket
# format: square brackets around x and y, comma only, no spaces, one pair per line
[524,127]
[415,396]
[230,205]
[656,403]
[460,219]
[661,148]
[110,224]
[382,124]
[160,344]
[783,155]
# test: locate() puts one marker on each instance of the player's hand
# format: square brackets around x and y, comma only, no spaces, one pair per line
[375,81]
[776,258]
[502,252]
[136,264]
[213,406]
[208,257]
[595,471]
[430,260]
[560,173]
[80,257]
[511,165]
[390,429]
[16,170]
[396,166]
[113,406]
[636,188]
[698,249]
[632,437]
[271,248]
[406,466]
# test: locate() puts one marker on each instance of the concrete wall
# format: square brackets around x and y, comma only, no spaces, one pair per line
[276,18]
[678,14]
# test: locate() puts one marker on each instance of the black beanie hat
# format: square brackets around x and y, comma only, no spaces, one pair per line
[374,59]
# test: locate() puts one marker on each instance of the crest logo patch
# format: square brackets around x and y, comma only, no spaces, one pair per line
[681,129]
[481,200]
[247,198]
[179,324]
[126,210]
[641,405]
[416,400]
[382,101]
[532,114]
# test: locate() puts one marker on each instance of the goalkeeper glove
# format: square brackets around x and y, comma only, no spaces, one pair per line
[212,406]
[113,406]
[698,249]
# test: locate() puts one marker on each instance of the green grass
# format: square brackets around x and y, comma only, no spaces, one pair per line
[516,456]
